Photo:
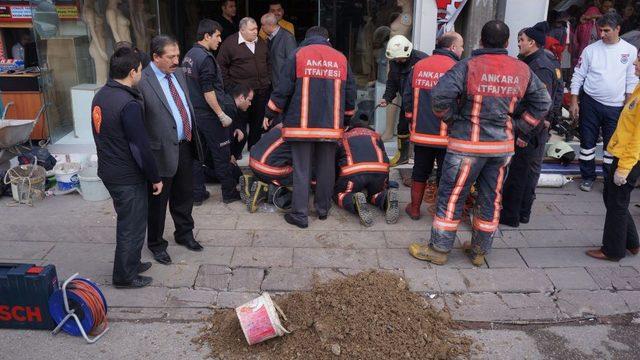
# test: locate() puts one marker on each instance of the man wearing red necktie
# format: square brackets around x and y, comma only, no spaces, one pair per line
[174,141]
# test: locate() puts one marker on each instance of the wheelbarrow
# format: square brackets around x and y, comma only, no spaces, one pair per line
[14,132]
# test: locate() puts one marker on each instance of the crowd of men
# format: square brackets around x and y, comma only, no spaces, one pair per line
[161,130]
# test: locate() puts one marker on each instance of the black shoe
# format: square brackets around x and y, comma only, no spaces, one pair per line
[142,267]
[288,218]
[233,198]
[162,257]
[207,195]
[509,222]
[138,282]
[190,244]
[323,217]
[524,219]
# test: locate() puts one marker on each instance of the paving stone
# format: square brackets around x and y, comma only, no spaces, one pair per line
[234,299]
[213,277]
[25,250]
[80,252]
[504,258]
[534,306]
[450,280]
[230,238]
[13,232]
[150,296]
[582,208]
[400,259]
[506,280]
[478,307]
[246,279]
[513,238]
[421,280]
[578,303]
[262,257]
[571,279]
[174,275]
[202,221]
[582,222]
[335,258]
[287,279]
[561,238]
[208,255]
[320,239]
[402,239]
[458,260]
[185,297]
[616,278]
[541,222]
[561,257]
[632,298]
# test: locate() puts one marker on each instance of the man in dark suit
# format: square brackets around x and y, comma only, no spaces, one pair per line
[281,45]
[244,59]
[174,141]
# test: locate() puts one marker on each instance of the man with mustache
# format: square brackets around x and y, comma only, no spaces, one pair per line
[174,140]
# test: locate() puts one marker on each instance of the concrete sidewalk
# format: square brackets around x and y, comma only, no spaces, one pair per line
[538,272]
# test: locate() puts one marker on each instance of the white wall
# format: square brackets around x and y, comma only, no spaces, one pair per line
[520,14]
[425,25]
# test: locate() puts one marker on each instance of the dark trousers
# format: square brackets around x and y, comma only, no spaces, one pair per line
[130,203]
[253,118]
[458,174]
[321,156]
[424,158]
[403,123]
[594,118]
[524,173]
[375,186]
[177,191]
[217,158]
[620,231]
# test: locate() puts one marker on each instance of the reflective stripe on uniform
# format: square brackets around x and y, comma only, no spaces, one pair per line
[587,154]
[364,167]
[304,103]
[348,190]
[428,139]
[269,170]
[475,118]
[445,225]
[465,168]
[273,107]
[311,133]
[337,83]
[480,147]
[607,158]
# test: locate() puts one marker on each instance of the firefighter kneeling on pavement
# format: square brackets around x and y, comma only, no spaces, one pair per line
[364,167]
[428,132]
[482,99]
[271,163]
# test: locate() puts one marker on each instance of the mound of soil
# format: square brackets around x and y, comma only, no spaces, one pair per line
[371,315]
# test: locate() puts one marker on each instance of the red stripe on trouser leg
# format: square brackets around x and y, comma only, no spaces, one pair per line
[455,194]
[445,225]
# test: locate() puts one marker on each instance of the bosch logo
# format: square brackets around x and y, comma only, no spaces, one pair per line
[20,313]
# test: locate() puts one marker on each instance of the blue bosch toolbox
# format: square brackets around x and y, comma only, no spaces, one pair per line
[24,296]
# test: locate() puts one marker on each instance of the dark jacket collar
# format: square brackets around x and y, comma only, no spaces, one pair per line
[446,52]
[133,91]
[534,56]
[315,40]
[486,51]
[196,45]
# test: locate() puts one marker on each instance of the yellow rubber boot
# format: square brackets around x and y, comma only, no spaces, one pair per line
[402,155]
[426,253]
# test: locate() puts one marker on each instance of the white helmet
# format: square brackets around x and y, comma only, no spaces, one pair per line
[398,47]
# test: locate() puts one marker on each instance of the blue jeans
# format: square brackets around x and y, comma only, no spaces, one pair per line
[131,205]
[459,173]
[595,117]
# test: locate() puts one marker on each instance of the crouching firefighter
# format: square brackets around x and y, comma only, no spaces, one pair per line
[315,93]
[428,132]
[364,168]
[270,161]
[482,99]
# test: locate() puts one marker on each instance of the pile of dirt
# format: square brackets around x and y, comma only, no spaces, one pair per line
[371,315]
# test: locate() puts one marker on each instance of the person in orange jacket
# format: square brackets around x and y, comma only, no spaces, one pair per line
[620,232]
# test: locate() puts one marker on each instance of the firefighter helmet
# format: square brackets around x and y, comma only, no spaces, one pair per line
[398,47]
[562,151]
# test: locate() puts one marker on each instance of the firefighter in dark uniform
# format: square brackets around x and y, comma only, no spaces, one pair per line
[364,168]
[211,105]
[402,57]
[271,162]
[526,164]
[316,94]
[485,100]
[428,132]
